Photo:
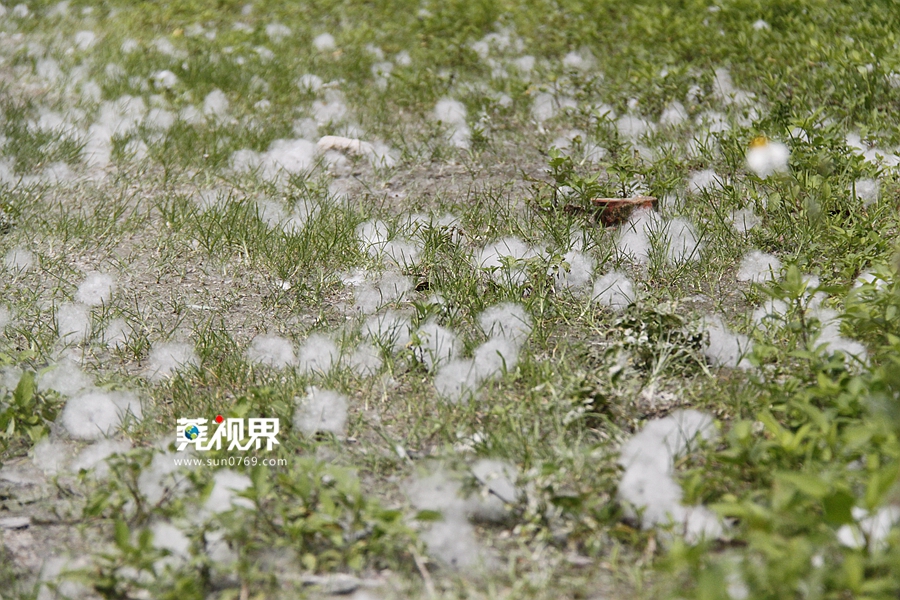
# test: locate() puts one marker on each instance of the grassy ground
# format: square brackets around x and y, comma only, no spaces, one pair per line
[142,142]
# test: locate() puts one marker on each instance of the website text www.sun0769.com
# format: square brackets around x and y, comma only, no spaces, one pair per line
[231,461]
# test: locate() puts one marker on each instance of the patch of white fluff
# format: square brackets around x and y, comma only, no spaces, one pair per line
[682,242]
[271,351]
[96,414]
[376,242]
[85,39]
[771,311]
[543,107]
[318,354]
[5,317]
[19,259]
[576,273]
[284,157]
[726,348]
[64,378]
[725,91]
[575,60]
[760,24]
[161,478]
[674,115]
[506,320]
[275,216]
[647,486]
[869,531]
[332,109]
[499,477]
[73,323]
[227,485]
[94,457]
[215,105]
[310,83]
[867,190]
[633,238]
[615,290]
[436,345]
[830,334]
[96,289]
[389,330]
[457,380]
[661,441]
[632,128]
[322,410]
[705,181]
[870,278]
[277,31]
[452,114]
[495,357]
[759,267]
[744,220]
[371,295]
[51,456]
[164,79]
[365,361]
[167,358]
[453,543]
[171,539]
[116,333]
[510,250]
[768,159]
[324,42]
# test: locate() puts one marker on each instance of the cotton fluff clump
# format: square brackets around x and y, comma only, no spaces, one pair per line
[161,479]
[724,347]
[215,105]
[576,273]
[365,360]
[758,267]
[376,242]
[543,107]
[436,345]
[632,128]
[371,295]
[867,190]
[96,289]
[389,329]
[227,485]
[674,115]
[615,290]
[167,358]
[95,414]
[507,326]
[452,114]
[283,158]
[73,323]
[682,242]
[506,320]
[94,457]
[452,540]
[324,42]
[725,91]
[318,354]
[505,260]
[869,531]
[18,260]
[271,351]
[275,216]
[647,487]
[830,334]
[322,410]
[744,220]
[168,537]
[65,378]
[768,158]
[703,181]
[634,236]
